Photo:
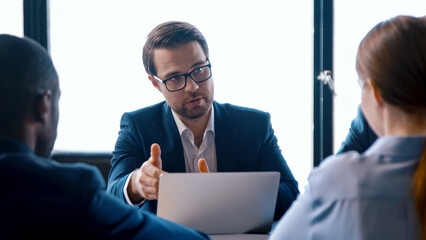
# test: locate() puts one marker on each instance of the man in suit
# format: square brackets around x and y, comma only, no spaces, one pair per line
[41,198]
[173,135]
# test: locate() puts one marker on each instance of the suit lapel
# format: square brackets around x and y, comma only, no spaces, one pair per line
[226,138]
[168,137]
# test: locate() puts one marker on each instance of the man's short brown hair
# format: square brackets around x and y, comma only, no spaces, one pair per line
[170,35]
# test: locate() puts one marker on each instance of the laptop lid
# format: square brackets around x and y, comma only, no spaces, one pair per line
[220,203]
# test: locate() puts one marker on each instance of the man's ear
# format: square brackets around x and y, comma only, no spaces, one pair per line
[154,82]
[43,107]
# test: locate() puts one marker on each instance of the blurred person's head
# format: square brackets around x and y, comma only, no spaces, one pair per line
[391,62]
[29,94]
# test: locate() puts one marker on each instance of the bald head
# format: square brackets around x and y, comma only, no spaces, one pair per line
[26,71]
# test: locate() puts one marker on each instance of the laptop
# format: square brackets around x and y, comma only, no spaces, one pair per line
[220,203]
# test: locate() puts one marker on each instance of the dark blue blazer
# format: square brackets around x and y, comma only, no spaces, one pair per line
[43,199]
[360,136]
[244,137]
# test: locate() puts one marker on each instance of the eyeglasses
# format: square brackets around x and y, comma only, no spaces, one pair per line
[178,82]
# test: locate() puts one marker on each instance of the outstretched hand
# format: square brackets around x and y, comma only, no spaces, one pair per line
[145,180]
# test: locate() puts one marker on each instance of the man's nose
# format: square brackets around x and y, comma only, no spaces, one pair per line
[191,86]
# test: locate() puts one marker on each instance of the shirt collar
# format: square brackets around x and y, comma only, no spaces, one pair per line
[408,146]
[181,126]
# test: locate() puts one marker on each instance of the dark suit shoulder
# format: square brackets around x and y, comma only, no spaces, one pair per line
[80,173]
[149,109]
[147,113]
[235,111]
[67,188]
[50,173]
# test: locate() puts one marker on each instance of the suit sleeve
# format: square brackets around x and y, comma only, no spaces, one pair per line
[271,159]
[360,136]
[129,154]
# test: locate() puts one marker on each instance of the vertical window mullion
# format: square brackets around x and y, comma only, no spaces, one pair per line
[322,95]
[36,21]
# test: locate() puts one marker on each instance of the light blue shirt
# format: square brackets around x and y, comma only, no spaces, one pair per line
[359,196]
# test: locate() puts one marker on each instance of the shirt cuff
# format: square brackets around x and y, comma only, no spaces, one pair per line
[126,196]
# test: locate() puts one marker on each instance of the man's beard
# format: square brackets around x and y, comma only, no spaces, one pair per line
[196,112]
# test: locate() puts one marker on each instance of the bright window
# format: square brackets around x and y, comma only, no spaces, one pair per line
[11,17]
[352,21]
[261,55]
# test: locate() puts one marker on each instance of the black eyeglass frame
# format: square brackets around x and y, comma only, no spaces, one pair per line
[186,77]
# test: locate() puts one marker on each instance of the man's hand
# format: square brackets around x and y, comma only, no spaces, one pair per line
[202,166]
[144,181]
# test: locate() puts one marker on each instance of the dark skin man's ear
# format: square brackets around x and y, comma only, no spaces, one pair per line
[43,107]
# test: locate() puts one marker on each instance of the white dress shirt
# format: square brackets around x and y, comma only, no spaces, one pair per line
[207,148]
